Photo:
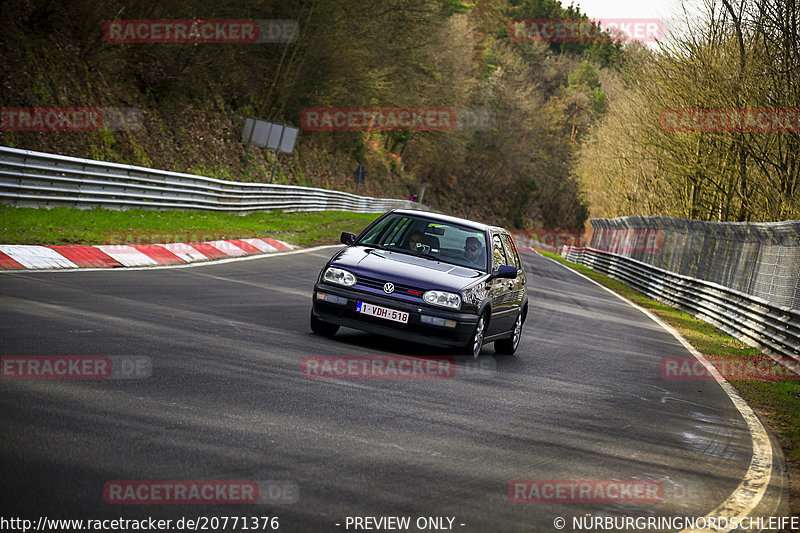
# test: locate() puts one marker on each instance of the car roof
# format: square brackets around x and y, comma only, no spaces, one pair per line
[447,218]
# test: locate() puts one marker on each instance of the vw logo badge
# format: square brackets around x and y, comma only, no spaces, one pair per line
[388,288]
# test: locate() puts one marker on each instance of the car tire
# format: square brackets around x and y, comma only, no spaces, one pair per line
[509,346]
[325,329]
[476,340]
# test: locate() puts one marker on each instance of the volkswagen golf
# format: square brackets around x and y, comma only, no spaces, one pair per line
[428,278]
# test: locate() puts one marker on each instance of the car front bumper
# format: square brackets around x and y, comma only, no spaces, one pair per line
[414,330]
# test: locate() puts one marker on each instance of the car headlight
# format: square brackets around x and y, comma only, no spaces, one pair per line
[442,298]
[339,276]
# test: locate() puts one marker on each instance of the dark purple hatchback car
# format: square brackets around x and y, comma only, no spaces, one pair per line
[427,278]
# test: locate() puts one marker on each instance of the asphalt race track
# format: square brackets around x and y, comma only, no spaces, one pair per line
[584,400]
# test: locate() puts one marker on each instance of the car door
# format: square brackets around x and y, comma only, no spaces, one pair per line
[518,286]
[500,291]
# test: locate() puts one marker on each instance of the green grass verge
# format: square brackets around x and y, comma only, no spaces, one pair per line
[66,225]
[779,401]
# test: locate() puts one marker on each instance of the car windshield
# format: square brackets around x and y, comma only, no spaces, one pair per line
[441,241]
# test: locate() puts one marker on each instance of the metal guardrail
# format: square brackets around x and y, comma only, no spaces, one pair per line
[772,328]
[37,179]
[758,258]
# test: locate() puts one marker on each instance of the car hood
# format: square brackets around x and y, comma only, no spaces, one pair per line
[405,268]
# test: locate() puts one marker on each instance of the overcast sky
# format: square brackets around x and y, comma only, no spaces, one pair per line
[670,12]
[598,9]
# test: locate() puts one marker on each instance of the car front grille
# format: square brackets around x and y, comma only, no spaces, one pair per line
[399,288]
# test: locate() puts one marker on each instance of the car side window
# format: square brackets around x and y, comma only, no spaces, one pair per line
[511,252]
[398,232]
[498,253]
[378,231]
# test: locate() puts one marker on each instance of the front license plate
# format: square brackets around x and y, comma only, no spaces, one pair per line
[382,312]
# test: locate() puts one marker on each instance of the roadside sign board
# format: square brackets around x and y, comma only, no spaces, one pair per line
[265,134]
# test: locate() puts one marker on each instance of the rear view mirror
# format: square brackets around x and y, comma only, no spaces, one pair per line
[348,238]
[505,272]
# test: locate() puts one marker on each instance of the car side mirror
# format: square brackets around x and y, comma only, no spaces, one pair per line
[348,238]
[505,272]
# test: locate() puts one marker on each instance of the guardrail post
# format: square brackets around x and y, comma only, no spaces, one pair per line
[755,261]
[701,265]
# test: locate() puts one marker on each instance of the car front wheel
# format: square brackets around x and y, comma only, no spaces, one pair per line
[323,328]
[476,342]
[509,346]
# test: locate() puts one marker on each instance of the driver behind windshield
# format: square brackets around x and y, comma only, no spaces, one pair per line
[473,251]
[414,239]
